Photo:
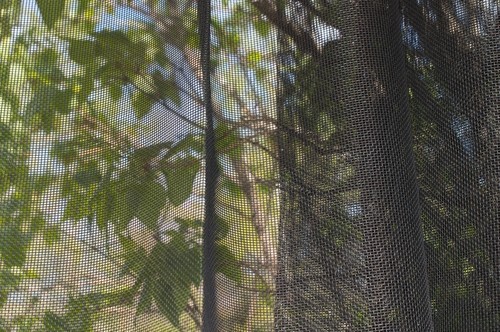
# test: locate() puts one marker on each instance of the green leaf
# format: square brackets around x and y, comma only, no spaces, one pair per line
[5,133]
[116,298]
[171,91]
[84,87]
[112,41]
[8,282]
[8,161]
[9,97]
[14,246]
[88,174]
[227,263]
[109,72]
[125,201]
[31,274]
[227,140]
[254,57]
[37,224]
[82,5]
[121,53]
[4,296]
[190,271]
[174,286]
[5,31]
[48,120]
[82,51]
[261,74]
[151,198]
[4,72]
[190,142]
[52,234]
[180,175]
[76,208]
[231,188]
[222,229]
[54,323]
[47,102]
[64,151]
[142,104]
[232,41]
[146,298]
[143,83]
[60,100]
[262,27]
[79,311]
[167,88]
[162,58]
[167,281]
[8,279]
[10,206]
[171,300]
[104,208]
[115,91]
[51,11]
[188,225]
[145,154]
[134,256]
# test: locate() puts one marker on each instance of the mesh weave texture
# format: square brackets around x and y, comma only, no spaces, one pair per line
[250,165]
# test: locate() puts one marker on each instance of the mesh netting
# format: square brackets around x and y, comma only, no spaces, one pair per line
[290,165]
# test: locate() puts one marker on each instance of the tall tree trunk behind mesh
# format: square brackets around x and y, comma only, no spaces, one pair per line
[351,254]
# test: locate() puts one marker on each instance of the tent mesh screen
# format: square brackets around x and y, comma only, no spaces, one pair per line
[289,165]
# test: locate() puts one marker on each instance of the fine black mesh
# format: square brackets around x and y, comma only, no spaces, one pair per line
[263,165]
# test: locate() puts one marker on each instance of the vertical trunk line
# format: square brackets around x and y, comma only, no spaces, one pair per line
[395,293]
[211,175]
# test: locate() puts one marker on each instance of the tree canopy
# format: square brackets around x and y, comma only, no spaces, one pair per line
[322,145]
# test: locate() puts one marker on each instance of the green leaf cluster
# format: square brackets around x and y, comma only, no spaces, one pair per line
[67,86]
[51,11]
[167,276]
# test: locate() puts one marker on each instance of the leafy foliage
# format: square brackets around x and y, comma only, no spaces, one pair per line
[180,175]
[51,11]
[67,141]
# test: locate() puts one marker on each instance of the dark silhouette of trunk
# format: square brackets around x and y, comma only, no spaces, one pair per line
[381,145]
[350,259]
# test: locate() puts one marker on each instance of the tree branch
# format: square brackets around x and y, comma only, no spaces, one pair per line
[302,39]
